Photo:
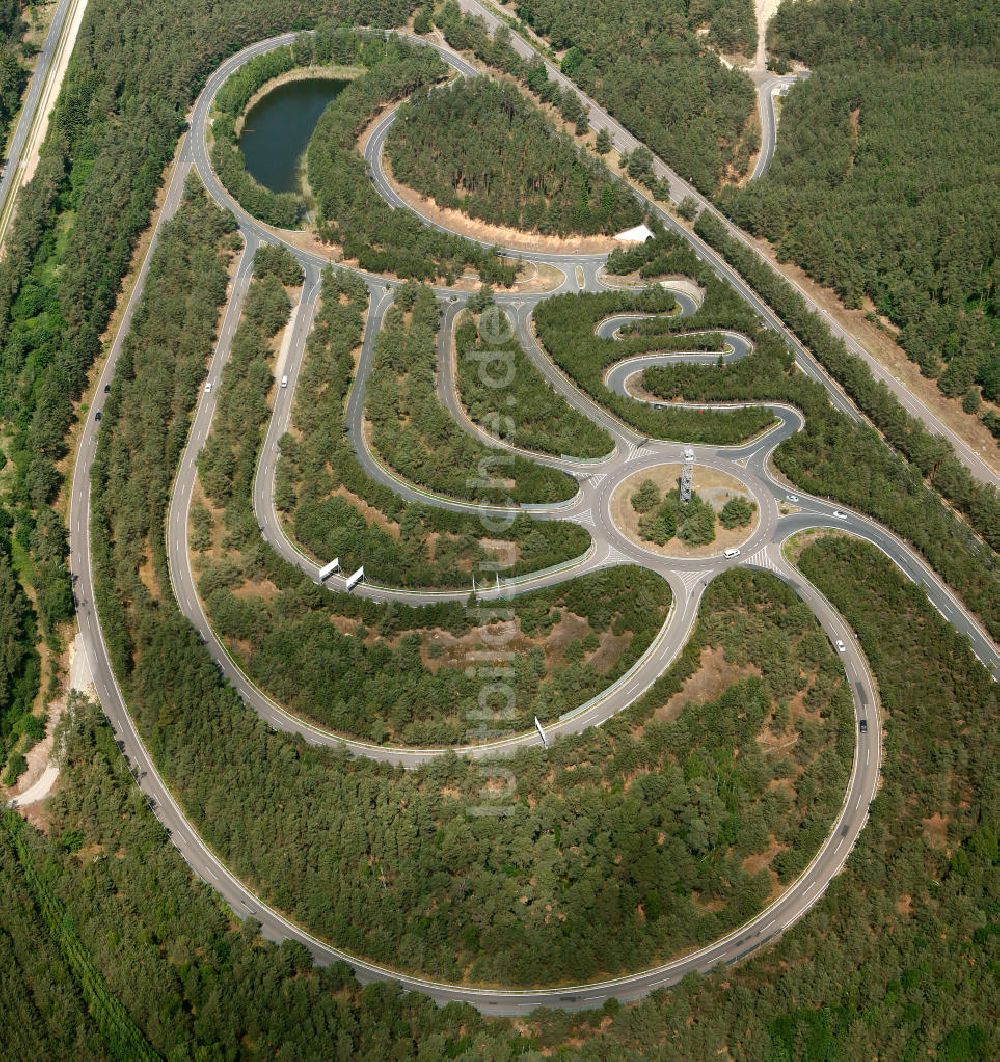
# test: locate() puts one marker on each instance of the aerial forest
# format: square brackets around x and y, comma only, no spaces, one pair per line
[417,437]
[883,185]
[333,508]
[649,62]
[477,145]
[633,841]
[13,74]
[909,916]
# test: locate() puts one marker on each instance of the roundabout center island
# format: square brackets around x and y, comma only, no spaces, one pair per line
[721,514]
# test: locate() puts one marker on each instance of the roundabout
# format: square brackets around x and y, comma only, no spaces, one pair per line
[714,486]
[726,472]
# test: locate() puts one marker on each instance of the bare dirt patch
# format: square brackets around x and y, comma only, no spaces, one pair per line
[257,588]
[215,552]
[506,553]
[453,650]
[936,831]
[628,281]
[369,512]
[713,486]
[879,343]
[713,677]
[754,864]
[39,755]
[765,10]
[855,137]
[148,577]
[538,277]
[708,906]
[795,546]
[609,652]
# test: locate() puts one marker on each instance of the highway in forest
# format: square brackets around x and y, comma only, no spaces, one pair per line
[681,189]
[779,518]
[38,99]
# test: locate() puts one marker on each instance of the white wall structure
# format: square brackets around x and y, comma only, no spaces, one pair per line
[541,731]
[640,234]
[353,580]
[328,569]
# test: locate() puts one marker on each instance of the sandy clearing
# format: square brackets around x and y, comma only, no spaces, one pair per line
[765,12]
[37,781]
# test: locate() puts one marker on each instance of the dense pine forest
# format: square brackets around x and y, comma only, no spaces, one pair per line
[115,126]
[13,75]
[894,961]
[712,816]
[330,660]
[349,210]
[926,453]
[417,437]
[884,181]
[479,146]
[493,376]
[19,665]
[649,65]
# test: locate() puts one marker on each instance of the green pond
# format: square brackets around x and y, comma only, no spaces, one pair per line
[278,129]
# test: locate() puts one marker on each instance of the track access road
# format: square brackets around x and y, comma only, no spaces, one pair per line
[681,189]
[687,579]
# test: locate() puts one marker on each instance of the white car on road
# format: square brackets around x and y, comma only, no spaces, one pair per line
[838,515]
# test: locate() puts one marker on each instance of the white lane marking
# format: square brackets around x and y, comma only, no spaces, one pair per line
[690,579]
[762,559]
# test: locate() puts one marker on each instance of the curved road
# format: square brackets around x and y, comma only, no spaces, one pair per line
[591,508]
[681,189]
[771,86]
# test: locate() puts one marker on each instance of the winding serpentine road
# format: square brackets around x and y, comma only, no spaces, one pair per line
[680,189]
[591,508]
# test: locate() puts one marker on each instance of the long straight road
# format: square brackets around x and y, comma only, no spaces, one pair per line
[38,101]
